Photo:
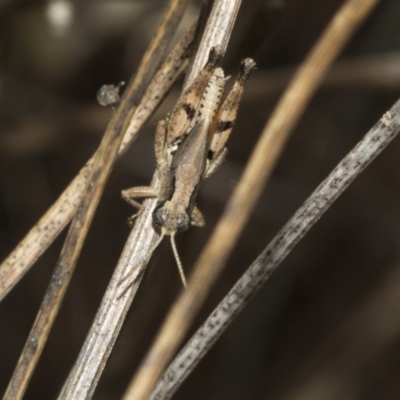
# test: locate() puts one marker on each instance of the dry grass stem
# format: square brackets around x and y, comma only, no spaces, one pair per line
[252,280]
[217,31]
[215,253]
[57,217]
[102,165]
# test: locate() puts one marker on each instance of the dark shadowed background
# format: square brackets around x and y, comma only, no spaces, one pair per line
[327,323]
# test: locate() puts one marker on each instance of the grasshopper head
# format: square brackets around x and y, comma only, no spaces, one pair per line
[171,218]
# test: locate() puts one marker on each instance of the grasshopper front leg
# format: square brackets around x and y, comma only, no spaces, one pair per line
[163,165]
[138,192]
[164,157]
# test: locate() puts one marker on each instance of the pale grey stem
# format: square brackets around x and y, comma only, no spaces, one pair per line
[116,302]
[247,286]
[217,32]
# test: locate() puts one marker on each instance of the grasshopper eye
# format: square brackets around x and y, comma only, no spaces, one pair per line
[182,222]
[160,216]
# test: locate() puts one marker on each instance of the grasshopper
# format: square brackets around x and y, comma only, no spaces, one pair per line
[189,147]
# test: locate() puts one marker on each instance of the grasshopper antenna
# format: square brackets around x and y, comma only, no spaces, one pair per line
[178,261]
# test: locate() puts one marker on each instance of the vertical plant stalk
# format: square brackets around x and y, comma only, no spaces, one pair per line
[384,131]
[237,211]
[217,31]
[60,213]
[104,331]
[102,165]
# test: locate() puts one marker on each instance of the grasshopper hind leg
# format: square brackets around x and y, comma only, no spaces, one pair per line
[226,116]
[214,163]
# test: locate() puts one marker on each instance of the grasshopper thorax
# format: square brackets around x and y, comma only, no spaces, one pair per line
[171,218]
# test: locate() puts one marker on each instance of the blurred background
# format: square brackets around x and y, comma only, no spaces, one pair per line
[327,323]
